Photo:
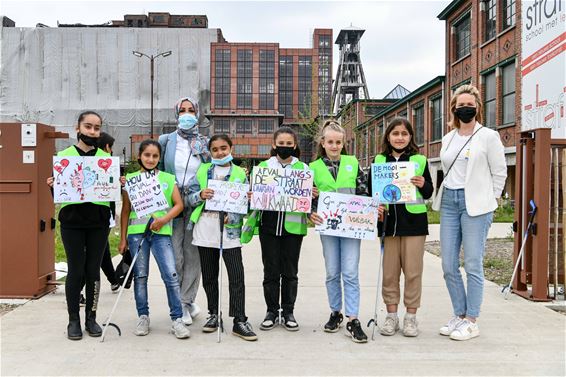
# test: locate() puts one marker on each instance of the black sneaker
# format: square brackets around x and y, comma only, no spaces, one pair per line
[211,324]
[355,331]
[334,322]
[269,321]
[244,330]
[114,287]
[289,322]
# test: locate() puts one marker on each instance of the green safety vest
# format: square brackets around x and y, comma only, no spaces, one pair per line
[420,163]
[237,175]
[137,226]
[345,182]
[72,151]
[295,222]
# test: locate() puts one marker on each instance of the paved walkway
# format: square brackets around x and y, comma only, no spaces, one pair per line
[518,337]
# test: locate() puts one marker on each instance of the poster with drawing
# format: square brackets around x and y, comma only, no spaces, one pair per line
[146,194]
[391,181]
[278,189]
[228,197]
[86,179]
[348,216]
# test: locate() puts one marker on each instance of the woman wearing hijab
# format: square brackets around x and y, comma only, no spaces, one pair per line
[183,152]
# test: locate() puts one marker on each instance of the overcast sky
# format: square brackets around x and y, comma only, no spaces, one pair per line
[403,43]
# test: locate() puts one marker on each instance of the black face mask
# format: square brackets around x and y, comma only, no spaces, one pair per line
[398,150]
[143,166]
[466,113]
[88,140]
[284,152]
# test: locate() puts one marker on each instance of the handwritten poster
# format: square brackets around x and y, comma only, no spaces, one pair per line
[277,189]
[348,216]
[146,194]
[228,197]
[392,182]
[86,179]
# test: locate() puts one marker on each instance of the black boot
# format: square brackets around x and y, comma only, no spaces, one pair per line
[74,331]
[91,327]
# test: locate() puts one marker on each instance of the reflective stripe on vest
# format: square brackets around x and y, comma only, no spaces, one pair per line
[72,151]
[237,175]
[345,182]
[420,163]
[137,225]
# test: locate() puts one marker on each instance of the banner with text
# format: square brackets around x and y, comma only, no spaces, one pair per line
[228,197]
[278,189]
[543,72]
[391,181]
[86,179]
[146,194]
[348,216]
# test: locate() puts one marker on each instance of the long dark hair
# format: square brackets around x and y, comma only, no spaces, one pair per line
[386,148]
[287,130]
[104,140]
[146,143]
[224,137]
[88,112]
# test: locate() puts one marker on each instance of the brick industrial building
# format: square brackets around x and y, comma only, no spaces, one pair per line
[483,45]
[257,87]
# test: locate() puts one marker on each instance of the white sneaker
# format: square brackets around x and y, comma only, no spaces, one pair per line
[450,326]
[187,319]
[142,328]
[466,330]
[410,325]
[391,325]
[178,328]
[194,309]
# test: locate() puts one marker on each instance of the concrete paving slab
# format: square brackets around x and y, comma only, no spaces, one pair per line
[518,337]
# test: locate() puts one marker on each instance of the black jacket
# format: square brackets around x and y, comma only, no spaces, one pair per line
[401,222]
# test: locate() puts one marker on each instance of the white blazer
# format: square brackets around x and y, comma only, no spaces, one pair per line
[485,174]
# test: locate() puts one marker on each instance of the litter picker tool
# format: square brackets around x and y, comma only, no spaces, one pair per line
[373,322]
[530,229]
[146,234]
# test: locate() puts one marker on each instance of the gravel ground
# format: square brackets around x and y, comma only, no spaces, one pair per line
[5,308]
[497,262]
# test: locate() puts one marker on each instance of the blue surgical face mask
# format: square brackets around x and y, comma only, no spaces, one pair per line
[222,161]
[187,121]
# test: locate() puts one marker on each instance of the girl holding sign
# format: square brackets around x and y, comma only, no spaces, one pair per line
[206,236]
[84,232]
[159,242]
[334,171]
[281,235]
[406,230]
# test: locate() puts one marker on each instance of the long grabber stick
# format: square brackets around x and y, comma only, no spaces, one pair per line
[529,229]
[373,322]
[221,216]
[146,234]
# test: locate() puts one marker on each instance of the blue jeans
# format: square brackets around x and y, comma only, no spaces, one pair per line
[163,254]
[457,228]
[341,258]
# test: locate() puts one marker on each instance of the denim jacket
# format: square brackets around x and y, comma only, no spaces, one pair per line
[195,200]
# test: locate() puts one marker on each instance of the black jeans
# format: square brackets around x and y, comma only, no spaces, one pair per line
[280,255]
[209,258]
[84,248]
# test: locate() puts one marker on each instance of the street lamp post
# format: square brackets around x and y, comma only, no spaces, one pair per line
[151,59]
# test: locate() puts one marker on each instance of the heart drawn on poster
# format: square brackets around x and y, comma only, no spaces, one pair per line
[105,164]
[61,165]
[234,195]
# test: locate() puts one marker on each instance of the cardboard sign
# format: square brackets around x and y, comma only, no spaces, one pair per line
[277,189]
[86,179]
[146,194]
[348,216]
[228,197]
[391,182]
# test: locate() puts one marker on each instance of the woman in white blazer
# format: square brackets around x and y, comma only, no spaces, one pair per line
[473,159]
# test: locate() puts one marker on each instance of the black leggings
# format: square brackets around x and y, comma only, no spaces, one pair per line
[84,248]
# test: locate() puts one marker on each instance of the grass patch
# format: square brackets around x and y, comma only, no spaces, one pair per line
[505,213]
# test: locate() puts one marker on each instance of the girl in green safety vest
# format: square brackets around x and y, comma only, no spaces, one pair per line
[281,235]
[84,232]
[335,171]
[206,236]
[406,230]
[159,242]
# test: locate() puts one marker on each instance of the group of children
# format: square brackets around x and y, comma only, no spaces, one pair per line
[280,234]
